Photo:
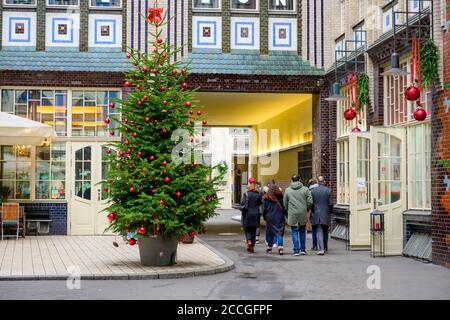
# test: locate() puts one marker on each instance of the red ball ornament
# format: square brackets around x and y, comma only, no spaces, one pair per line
[178,194]
[161,202]
[161,63]
[159,40]
[138,87]
[174,72]
[204,122]
[194,164]
[131,190]
[139,103]
[164,55]
[155,50]
[349,114]
[139,154]
[128,55]
[108,151]
[183,71]
[420,114]
[164,130]
[126,129]
[152,158]
[129,151]
[356,129]
[125,121]
[164,102]
[127,84]
[112,216]
[147,119]
[155,71]
[164,163]
[111,133]
[142,230]
[162,88]
[412,93]
[106,121]
[191,112]
[144,69]
[199,113]
[134,134]
[131,241]
[111,105]
[167,180]
[184,85]
[120,153]
[105,189]
[153,191]
[145,98]
[126,142]
[188,104]
[133,166]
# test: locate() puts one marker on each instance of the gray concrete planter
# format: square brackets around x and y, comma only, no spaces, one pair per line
[158,251]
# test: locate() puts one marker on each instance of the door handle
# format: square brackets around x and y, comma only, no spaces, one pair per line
[99,194]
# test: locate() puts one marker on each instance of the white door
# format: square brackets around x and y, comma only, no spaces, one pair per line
[389,184]
[87,197]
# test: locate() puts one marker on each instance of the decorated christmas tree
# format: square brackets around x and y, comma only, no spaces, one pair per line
[157,183]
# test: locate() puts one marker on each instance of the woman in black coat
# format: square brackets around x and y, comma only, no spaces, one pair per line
[251,215]
[274,214]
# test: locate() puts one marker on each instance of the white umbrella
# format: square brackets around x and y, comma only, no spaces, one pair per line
[16,130]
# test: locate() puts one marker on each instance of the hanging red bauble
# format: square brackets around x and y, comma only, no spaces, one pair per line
[112,216]
[111,105]
[191,139]
[145,98]
[164,163]
[155,50]
[164,130]
[105,189]
[194,164]
[142,230]
[356,129]
[159,40]
[144,69]
[126,129]
[420,114]
[161,202]
[164,55]
[152,158]
[155,71]
[131,190]
[153,191]
[183,71]
[349,114]
[139,154]
[164,102]
[162,88]
[161,63]
[128,55]
[199,113]
[129,151]
[106,121]
[147,119]
[134,134]
[133,166]
[131,241]
[191,112]
[174,72]
[127,84]
[126,142]
[138,87]
[167,180]
[120,153]
[188,104]
[178,194]
[111,133]
[139,103]
[108,151]
[184,85]
[125,121]
[412,93]
[204,122]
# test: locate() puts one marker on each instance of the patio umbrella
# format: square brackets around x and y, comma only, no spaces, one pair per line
[16,130]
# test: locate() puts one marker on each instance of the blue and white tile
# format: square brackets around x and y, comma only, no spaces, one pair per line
[62,29]
[245,33]
[207,32]
[19,28]
[105,30]
[282,34]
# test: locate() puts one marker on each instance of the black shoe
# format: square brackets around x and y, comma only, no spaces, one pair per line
[314,248]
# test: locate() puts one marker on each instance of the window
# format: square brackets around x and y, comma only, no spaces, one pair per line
[363,170]
[244,4]
[359,36]
[106,3]
[282,5]
[62,2]
[389,168]
[20,2]
[15,170]
[206,4]
[339,49]
[90,109]
[83,165]
[419,161]
[51,171]
[343,192]
[45,106]
[416,5]
[388,16]
[345,126]
[397,108]
[305,162]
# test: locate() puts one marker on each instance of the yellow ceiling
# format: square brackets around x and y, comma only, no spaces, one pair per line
[246,109]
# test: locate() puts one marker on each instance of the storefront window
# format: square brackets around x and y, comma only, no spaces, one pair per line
[20,2]
[282,5]
[206,4]
[51,171]
[346,126]
[363,170]
[419,161]
[397,108]
[244,4]
[90,109]
[343,194]
[62,2]
[45,106]
[389,168]
[15,170]
[106,3]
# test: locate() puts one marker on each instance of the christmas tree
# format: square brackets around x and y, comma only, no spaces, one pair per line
[156,182]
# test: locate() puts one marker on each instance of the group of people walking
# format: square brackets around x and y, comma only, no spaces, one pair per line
[292,208]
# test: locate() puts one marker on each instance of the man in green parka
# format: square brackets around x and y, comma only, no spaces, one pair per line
[297,201]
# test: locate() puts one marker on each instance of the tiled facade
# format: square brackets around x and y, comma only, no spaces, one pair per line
[57,214]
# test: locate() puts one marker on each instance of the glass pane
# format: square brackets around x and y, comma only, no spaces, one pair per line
[281,5]
[7,153]
[21,96]
[240,4]
[395,147]
[59,151]
[87,154]
[10,185]
[396,169]
[8,101]
[86,170]
[87,190]
[23,170]
[78,170]
[23,190]
[383,172]
[383,192]
[58,170]
[42,189]
[29,2]
[62,2]
[42,170]
[102,98]
[78,189]
[79,155]
[57,190]
[105,3]
[396,188]
[43,153]
[8,170]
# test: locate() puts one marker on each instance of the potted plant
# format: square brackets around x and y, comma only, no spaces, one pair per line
[158,187]
[4,193]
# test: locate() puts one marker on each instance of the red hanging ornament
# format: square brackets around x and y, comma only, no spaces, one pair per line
[161,202]
[139,103]
[174,72]
[120,153]
[106,121]
[178,194]
[134,134]
[162,88]
[164,102]
[356,129]
[138,87]
[167,179]
[412,93]
[139,154]
[128,55]
[133,166]
[183,71]
[154,16]
[126,142]
[204,122]
[164,131]
[125,121]
[164,55]
[191,112]
[184,85]
[155,71]
[127,84]
[145,98]
[152,157]
[199,113]
[108,151]
[188,104]
[420,114]
[105,189]
[349,114]
[112,216]
[131,241]
[131,190]
[111,105]
[144,69]
[111,133]
[147,119]
[142,230]
[129,151]
[164,163]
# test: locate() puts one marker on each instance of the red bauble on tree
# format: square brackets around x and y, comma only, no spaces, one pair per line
[127,84]
[178,194]
[167,180]
[120,153]
[131,190]
[134,134]
[183,71]
[145,98]
[106,121]
[111,105]
[125,121]
[144,69]
[105,189]
[162,88]
[108,151]
[131,241]
[164,131]
[128,55]
[420,114]
[152,157]
[199,113]
[142,230]
[204,122]
[412,93]
[164,102]
[162,202]
[349,114]
[111,216]
[147,119]
[188,104]
[164,163]
[139,103]
[159,40]
[139,154]
[174,72]
[184,85]
[138,87]
[126,142]
[356,129]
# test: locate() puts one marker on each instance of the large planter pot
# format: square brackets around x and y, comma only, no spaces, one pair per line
[158,251]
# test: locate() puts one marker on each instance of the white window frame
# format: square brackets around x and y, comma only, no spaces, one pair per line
[50,162]
[19,5]
[415,5]
[219,8]
[244,10]
[356,33]
[339,42]
[61,5]
[343,143]
[276,11]
[391,12]
[104,7]
[344,127]
[32,172]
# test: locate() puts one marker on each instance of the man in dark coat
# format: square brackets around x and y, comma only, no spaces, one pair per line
[321,213]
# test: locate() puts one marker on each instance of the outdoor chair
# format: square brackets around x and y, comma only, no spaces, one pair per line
[10,217]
